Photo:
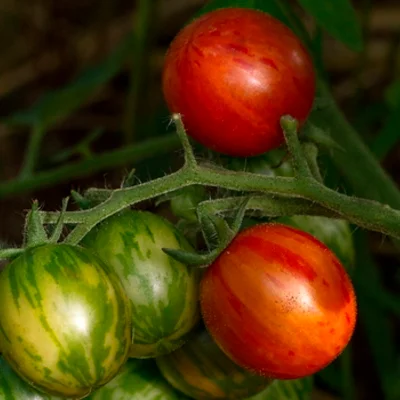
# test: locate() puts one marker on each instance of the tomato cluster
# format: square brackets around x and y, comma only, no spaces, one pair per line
[115,317]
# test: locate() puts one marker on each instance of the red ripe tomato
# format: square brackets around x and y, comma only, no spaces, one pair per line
[278,302]
[232,74]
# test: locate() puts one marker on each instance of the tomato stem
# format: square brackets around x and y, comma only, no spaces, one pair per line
[190,160]
[300,196]
[289,126]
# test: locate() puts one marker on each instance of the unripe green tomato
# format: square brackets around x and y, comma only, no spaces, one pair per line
[273,163]
[202,371]
[163,292]
[12,387]
[65,320]
[184,204]
[138,380]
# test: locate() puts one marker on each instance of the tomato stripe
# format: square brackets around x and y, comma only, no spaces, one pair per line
[202,371]
[139,380]
[53,289]
[163,292]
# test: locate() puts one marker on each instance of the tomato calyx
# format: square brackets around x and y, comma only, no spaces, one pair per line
[34,232]
[217,233]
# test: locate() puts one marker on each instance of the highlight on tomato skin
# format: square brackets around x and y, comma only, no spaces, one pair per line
[232,74]
[278,302]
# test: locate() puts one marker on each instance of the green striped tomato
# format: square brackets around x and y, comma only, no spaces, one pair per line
[138,380]
[163,292]
[202,371]
[12,387]
[65,323]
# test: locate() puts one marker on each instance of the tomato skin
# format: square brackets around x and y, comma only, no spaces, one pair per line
[278,302]
[139,380]
[162,291]
[65,324]
[202,371]
[232,74]
[12,387]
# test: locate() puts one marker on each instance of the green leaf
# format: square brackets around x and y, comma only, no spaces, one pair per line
[392,94]
[320,137]
[299,389]
[389,135]
[34,232]
[272,7]
[337,17]
[57,104]
[377,324]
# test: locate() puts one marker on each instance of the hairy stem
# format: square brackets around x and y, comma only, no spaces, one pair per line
[364,213]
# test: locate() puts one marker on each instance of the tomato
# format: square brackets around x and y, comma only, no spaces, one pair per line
[278,302]
[138,380]
[65,321]
[184,203]
[12,387]
[202,371]
[335,233]
[232,74]
[163,292]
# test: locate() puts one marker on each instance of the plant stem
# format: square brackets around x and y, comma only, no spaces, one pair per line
[190,160]
[364,213]
[123,198]
[266,205]
[112,159]
[139,60]
[289,126]
[32,152]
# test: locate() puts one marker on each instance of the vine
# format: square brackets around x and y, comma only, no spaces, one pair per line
[272,196]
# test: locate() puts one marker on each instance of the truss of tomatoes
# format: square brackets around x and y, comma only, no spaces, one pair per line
[277,302]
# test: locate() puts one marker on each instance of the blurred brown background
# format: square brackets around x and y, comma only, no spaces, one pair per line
[45,44]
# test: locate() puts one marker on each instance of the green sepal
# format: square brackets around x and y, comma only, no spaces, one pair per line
[55,236]
[130,180]
[192,259]
[310,151]
[81,201]
[10,254]
[34,232]
[240,213]
[215,230]
[97,196]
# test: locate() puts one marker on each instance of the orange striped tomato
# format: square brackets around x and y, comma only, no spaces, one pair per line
[278,302]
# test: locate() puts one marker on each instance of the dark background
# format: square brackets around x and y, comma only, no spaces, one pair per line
[46,44]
